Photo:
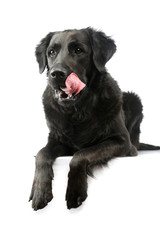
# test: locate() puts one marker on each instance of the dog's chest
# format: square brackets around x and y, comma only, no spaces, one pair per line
[79,130]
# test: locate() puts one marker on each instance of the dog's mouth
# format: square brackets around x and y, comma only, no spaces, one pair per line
[72,89]
[62,96]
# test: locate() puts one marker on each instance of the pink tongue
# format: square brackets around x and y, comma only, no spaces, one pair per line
[73,84]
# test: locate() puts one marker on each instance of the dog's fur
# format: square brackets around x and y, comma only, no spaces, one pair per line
[96,125]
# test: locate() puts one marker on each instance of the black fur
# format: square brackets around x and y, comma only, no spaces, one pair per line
[96,125]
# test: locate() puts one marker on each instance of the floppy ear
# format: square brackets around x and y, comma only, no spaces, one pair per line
[103,48]
[41,52]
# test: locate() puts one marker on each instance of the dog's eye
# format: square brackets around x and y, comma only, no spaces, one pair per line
[52,53]
[78,50]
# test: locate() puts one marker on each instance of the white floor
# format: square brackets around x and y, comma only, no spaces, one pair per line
[123,202]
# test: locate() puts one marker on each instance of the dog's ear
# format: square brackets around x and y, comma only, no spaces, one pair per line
[103,48]
[41,52]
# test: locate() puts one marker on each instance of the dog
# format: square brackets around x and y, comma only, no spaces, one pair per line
[98,123]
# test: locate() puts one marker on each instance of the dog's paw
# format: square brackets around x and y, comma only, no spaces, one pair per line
[40,195]
[76,190]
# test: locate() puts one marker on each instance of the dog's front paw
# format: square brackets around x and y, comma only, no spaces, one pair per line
[41,194]
[76,190]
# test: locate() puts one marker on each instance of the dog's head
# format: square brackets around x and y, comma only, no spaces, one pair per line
[73,51]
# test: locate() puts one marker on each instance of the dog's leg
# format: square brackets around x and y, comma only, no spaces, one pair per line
[41,192]
[83,159]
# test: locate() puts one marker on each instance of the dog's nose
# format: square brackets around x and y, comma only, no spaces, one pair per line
[60,75]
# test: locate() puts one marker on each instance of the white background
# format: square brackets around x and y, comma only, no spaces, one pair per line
[124,199]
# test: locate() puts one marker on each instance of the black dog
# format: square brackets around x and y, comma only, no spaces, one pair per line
[95,125]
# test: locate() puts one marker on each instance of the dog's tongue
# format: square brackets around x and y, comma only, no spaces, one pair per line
[73,85]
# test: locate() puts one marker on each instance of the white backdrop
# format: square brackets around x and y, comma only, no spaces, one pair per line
[124,199]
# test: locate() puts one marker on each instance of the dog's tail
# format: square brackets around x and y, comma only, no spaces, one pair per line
[144,146]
